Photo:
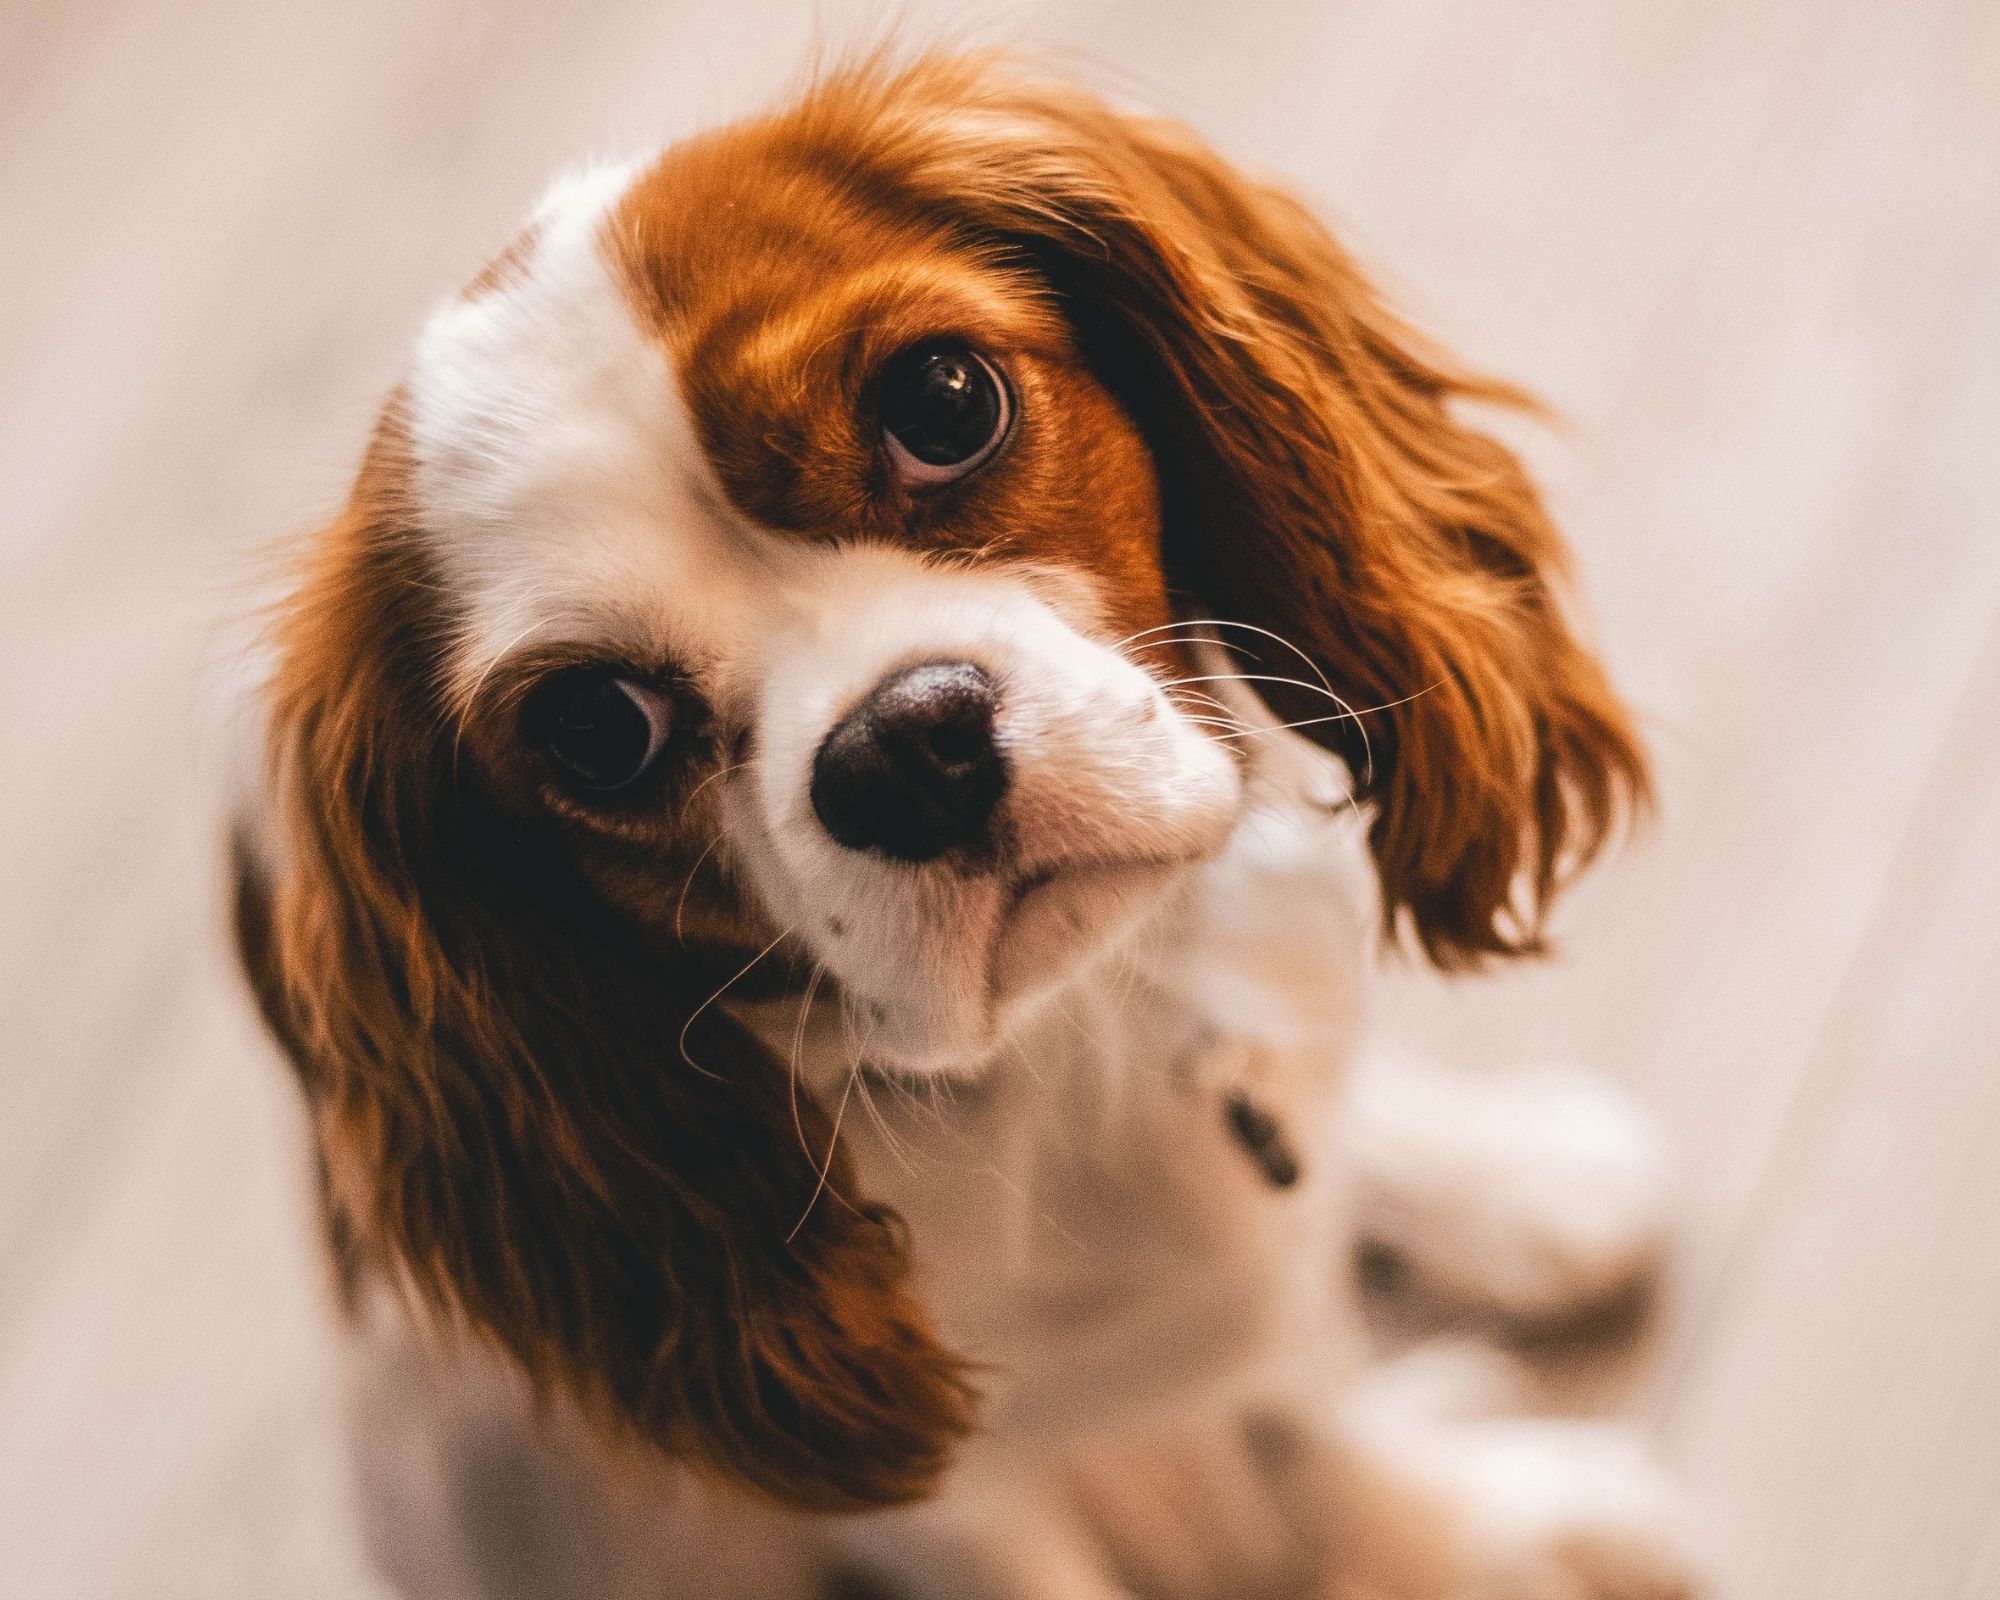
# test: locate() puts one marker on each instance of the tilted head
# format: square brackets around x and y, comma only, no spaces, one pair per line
[781,558]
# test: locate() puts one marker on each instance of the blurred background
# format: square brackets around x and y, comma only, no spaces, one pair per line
[1750,250]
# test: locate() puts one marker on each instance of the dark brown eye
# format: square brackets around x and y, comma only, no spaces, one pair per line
[603,732]
[944,410]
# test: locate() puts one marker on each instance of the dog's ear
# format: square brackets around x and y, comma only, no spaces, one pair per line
[509,1124]
[1316,483]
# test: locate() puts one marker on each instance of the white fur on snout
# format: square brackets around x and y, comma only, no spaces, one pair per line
[1112,795]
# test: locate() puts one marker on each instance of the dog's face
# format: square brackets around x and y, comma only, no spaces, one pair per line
[781,564]
[808,584]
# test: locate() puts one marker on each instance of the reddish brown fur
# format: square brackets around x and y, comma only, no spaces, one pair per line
[486,994]
[507,1121]
[780,321]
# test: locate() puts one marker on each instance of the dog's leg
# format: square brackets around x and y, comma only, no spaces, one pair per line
[1538,1194]
[1420,1492]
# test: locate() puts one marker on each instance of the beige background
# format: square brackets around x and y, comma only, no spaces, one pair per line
[1752,251]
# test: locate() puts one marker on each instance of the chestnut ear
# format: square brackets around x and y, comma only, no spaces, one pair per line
[1316,483]
[508,1127]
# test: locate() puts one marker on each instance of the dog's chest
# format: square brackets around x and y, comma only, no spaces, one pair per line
[1088,1228]
[1088,1219]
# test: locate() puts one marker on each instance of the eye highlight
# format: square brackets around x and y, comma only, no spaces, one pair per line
[602,732]
[943,410]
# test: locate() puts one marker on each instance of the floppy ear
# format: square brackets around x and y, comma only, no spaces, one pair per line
[508,1128]
[1316,483]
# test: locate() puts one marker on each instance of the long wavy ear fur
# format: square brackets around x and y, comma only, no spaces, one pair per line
[507,1127]
[1316,482]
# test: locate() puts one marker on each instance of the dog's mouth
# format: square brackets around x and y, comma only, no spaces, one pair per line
[1056,916]
[1038,932]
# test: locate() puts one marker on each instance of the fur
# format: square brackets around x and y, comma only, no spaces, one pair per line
[1049,1192]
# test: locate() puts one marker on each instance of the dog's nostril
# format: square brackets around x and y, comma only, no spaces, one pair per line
[960,743]
[914,770]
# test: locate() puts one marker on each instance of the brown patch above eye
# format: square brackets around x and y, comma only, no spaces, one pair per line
[784,287]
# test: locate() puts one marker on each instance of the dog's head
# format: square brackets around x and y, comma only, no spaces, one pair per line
[779,565]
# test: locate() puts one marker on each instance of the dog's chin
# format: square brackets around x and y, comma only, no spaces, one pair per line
[977,985]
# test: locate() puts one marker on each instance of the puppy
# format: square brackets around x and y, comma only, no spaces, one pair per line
[830,795]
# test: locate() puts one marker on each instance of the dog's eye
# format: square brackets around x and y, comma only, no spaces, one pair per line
[944,410]
[605,731]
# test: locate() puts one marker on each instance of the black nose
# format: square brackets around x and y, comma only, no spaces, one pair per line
[913,770]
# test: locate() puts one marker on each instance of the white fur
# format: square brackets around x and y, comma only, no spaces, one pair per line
[1540,1193]
[1145,1305]
[561,489]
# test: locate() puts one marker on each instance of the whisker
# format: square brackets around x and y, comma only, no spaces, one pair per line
[695,1015]
[798,1047]
[896,1146]
[719,772]
[857,1045]
[860,1045]
[1254,677]
[1265,633]
[680,905]
[1208,700]
[1340,716]
[1167,640]
[1164,627]
[1325,684]
[832,1142]
[1175,628]
[1228,725]
[1347,711]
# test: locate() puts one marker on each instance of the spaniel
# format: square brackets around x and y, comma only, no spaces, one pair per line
[829,798]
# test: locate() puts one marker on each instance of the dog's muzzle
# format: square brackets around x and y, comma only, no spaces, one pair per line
[914,770]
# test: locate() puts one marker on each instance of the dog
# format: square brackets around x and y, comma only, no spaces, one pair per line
[828,802]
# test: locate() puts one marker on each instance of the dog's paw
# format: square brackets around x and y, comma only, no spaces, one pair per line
[1540,1195]
[1562,1510]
